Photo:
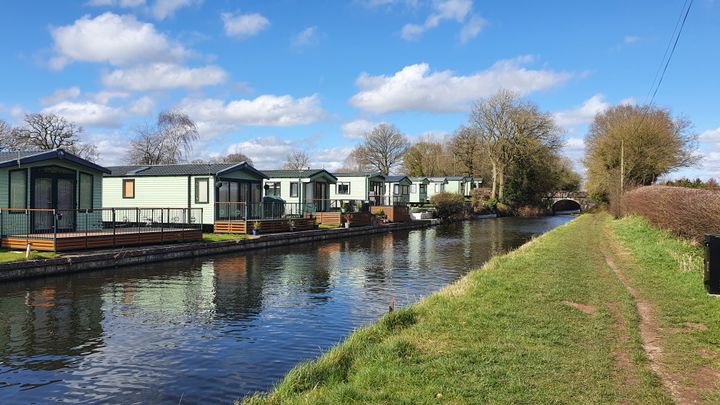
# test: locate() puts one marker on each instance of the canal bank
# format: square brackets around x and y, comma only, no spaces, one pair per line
[88,261]
[596,311]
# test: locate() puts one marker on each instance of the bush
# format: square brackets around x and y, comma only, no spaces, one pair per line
[481,202]
[449,205]
[689,213]
[528,211]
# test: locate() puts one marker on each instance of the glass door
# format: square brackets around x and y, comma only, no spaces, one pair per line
[53,188]
[42,200]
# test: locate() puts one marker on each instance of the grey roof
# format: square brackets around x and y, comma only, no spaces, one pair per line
[358,174]
[188,169]
[438,179]
[395,179]
[463,178]
[420,179]
[294,174]
[10,159]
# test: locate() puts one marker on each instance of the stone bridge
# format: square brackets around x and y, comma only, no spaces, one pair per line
[568,201]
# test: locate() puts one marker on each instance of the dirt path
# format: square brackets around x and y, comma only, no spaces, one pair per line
[650,331]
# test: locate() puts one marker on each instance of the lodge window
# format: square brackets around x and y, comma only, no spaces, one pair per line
[396,189]
[202,191]
[18,189]
[423,188]
[413,188]
[343,188]
[272,189]
[294,189]
[404,190]
[439,188]
[85,200]
[128,189]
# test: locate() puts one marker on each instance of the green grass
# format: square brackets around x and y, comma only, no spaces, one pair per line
[500,335]
[16,256]
[220,237]
[323,226]
[669,273]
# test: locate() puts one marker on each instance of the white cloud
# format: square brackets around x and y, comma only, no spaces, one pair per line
[161,76]
[380,3]
[330,158]
[357,129]
[116,3]
[446,10]
[215,117]
[416,88]
[584,114]
[307,37]
[61,95]
[114,39]
[112,146]
[266,152]
[574,144]
[166,8]
[630,39]
[472,29]
[710,136]
[95,115]
[244,25]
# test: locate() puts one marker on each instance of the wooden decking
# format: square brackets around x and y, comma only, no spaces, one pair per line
[329,218]
[266,225]
[66,242]
[394,214]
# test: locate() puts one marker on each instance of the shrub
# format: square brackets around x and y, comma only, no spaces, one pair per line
[449,205]
[528,211]
[689,213]
[481,202]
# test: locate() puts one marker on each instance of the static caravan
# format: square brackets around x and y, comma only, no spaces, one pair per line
[358,188]
[48,192]
[224,191]
[436,186]
[458,185]
[397,190]
[315,190]
[419,190]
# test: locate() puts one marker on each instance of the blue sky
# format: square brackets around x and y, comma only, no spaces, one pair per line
[268,77]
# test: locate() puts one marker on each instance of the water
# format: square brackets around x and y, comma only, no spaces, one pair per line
[215,329]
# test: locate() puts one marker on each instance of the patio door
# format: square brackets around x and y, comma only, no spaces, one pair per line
[53,188]
[321,195]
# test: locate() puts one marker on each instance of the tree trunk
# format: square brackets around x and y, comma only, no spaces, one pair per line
[501,182]
[493,193]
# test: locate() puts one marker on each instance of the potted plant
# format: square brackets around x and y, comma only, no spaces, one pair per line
[316,223]
[380,214]
[291,224]
[257,225]
[344,208]
[347,222]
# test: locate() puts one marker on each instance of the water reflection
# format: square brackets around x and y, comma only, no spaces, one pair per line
[226,326]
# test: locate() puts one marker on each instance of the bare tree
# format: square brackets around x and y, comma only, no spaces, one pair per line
[47,131]
[229,158]
[168,141]
[382,148]
[297,161]
[352,163]
[423,159]
[465,146]
[5,136]
[506,126]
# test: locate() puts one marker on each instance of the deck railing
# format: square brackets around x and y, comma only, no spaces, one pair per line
[385,201]
[335,205]
[52,224]
[241,211]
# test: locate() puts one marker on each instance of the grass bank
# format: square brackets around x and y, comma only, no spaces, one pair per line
[556,321]
[7,256]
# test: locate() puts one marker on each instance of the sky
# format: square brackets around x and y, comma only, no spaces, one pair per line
[268,77]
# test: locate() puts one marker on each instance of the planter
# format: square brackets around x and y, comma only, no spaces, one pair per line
[347,225]
[256,232]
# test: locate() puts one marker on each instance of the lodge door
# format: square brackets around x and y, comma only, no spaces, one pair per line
[53,188]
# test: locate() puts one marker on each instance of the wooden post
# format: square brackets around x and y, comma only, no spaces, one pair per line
[55,225]
[113,224]
[162,225]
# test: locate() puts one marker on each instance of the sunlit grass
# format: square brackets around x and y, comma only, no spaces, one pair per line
[17,255]
[221,237]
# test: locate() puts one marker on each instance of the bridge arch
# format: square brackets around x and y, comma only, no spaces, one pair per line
[566,205]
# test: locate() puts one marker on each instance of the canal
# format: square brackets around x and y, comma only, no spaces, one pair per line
[214,329]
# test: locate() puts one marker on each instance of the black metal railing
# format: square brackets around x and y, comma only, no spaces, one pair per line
[385,201]
[54,224]
[240,211]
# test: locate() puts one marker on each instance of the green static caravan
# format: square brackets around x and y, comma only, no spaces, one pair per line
[217,188]
[397,190]
[459,185]
[49,191]
[358,186]
[315,190]
[419,190]
[436,186]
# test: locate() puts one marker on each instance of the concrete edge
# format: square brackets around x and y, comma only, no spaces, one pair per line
[155,253]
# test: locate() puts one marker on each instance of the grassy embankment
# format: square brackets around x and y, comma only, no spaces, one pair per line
[16,256]
[549,323]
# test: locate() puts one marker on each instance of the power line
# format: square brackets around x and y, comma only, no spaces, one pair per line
[672,51]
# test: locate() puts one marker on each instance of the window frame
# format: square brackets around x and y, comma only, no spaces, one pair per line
[404,190]
[342,183]
[92,191]
[207,190]
[25,200]
[276,187]
[396,189]
[413,188]
[124,189]
[297,188]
